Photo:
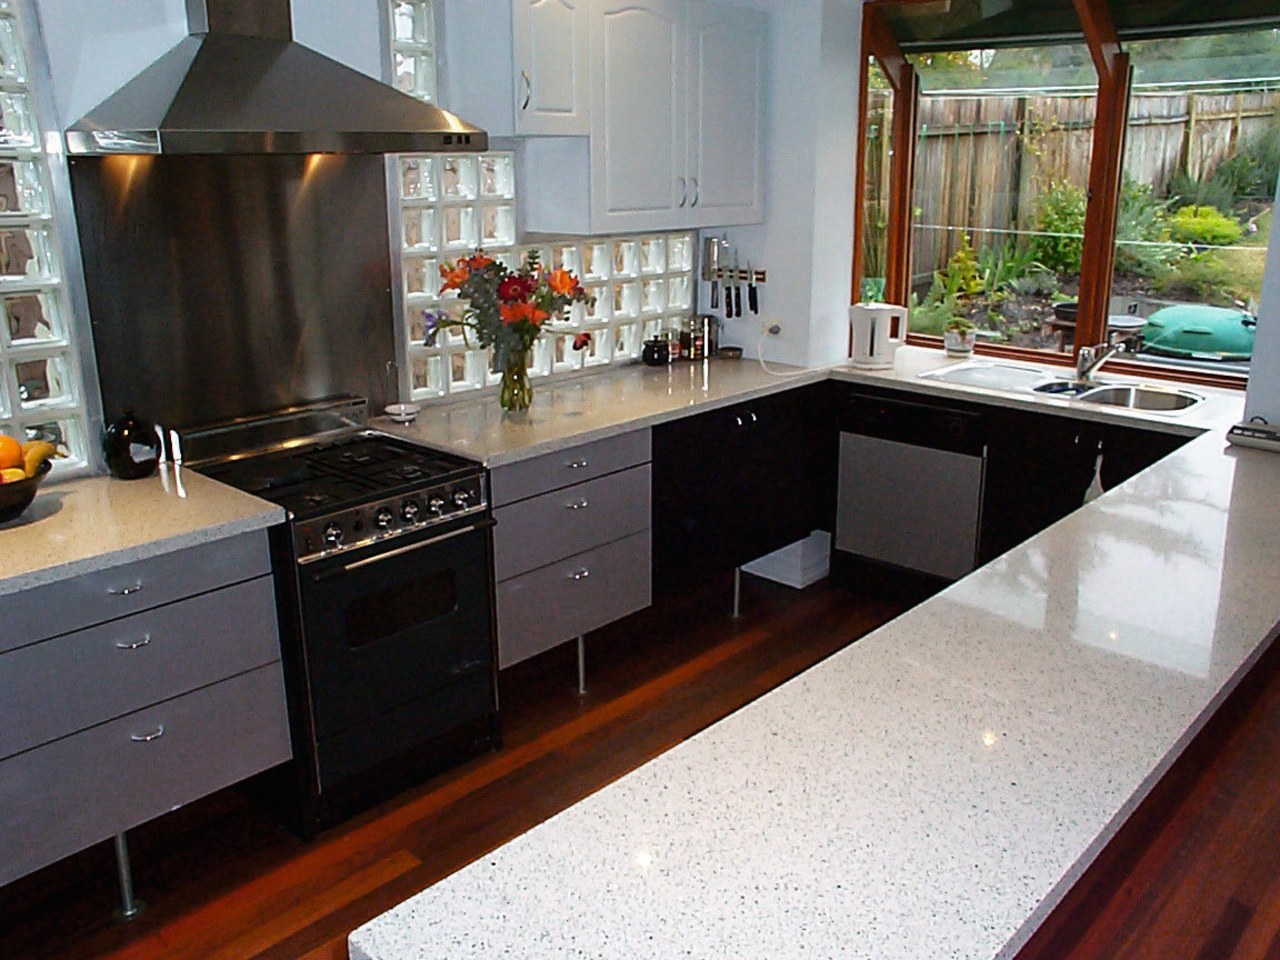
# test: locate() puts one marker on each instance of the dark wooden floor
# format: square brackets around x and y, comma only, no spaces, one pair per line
[1195,877]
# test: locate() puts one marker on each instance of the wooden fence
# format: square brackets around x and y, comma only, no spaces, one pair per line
[984,160]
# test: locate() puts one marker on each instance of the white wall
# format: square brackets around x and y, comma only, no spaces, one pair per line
[96,45]
[1263,399]
[806,241]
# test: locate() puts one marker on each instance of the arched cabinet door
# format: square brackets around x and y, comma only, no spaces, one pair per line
[550,46]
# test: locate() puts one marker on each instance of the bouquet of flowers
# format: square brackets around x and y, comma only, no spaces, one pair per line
[506,310]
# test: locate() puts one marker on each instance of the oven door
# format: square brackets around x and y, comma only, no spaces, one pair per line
[398,640]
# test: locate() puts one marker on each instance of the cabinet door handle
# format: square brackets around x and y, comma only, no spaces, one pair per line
[134,644]
[125,591]
[740,421]
[528,90]
[579,574]
[577,465]
[684,191]
[155,734]
[754,418]
[578,505]
[694,181]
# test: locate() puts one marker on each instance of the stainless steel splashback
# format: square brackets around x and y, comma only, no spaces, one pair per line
[228,286]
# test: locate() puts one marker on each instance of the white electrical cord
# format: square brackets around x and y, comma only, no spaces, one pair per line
[764,366]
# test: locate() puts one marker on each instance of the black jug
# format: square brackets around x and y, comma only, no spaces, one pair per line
[132,447]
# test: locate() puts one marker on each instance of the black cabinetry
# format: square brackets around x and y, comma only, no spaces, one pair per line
[736,483]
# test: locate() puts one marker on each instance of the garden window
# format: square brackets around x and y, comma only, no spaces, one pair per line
[1003,171]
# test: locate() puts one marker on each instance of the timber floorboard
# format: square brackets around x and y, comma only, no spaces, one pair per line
[1193,875]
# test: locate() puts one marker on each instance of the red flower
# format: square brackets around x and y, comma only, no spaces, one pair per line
[582,341]
[512,289]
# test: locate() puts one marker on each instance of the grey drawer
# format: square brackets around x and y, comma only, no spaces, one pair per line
[541,530]
[542,608]
[551,471]
[59,686]
[91,598]
[73,792]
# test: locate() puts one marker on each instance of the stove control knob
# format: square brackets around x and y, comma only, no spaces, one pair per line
[409,511]
[462,498]
[332,535]
[383,518]
[436,505]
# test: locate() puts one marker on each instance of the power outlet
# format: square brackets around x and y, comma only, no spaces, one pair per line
[771,328]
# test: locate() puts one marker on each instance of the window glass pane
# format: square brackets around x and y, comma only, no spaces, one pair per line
[1001,177]
[1202,157]
[875,202]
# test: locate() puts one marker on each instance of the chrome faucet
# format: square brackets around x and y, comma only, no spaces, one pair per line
[1090,359]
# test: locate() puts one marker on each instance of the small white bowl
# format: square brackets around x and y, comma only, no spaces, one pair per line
[403,412]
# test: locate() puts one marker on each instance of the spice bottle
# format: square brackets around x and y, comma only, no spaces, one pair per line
[673,345]
[698,339]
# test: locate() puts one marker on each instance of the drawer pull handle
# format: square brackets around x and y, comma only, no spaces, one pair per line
[125,591]
[134,644]
[155,734]
[580,574]
[580,505]
[577,465]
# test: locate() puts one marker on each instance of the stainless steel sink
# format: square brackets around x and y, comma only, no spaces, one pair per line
[991,374]
[1068,389]
[1141,396]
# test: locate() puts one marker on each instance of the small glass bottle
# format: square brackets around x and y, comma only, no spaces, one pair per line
[686,341]
[698,339]
[673,344]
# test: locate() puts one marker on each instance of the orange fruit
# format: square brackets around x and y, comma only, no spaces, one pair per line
[10,452]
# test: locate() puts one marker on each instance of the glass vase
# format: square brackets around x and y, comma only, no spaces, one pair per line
[517,391]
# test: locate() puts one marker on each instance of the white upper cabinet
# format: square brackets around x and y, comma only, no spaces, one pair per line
[639,114]
[549,39]
[517,67]
[726,96]
[639,150]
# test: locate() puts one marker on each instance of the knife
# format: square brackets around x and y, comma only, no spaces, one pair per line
[737,286]
[753,297]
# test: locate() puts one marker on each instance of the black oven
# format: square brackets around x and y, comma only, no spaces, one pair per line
[396,643]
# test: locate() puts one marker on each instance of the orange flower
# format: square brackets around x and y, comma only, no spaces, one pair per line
[478,261]
[562,282]
[454,276]
[515,312]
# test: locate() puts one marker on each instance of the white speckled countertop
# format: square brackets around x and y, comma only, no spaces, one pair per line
[592,407]
[99,522]
[934,789]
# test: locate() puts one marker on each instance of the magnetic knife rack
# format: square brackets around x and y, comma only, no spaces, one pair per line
[712,271]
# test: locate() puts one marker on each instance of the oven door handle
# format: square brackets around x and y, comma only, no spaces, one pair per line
[401,551]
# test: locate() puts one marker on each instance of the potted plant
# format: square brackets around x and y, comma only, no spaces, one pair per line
[958,336]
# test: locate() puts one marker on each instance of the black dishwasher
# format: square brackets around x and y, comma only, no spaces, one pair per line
[910,484]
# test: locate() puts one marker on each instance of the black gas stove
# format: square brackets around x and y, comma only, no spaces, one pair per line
[358,490]
[384,583]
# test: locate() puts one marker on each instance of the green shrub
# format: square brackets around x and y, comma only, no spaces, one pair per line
[1000,267]
[936,310]
[1060,210]
[960,277]
[1206,226]
[1203,278]
[1142,232]
[1186,192]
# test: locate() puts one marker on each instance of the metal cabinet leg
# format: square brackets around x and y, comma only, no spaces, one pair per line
[737,592]
[582,666]
[130,906]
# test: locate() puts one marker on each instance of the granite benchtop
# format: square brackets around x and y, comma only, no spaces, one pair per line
[100,522]
[934,789]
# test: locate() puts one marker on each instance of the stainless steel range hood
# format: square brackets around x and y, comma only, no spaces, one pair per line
[240,84]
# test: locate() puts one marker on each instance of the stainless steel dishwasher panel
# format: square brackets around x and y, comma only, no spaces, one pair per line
[913,506]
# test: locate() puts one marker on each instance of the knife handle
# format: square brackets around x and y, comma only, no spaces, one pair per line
[753,298]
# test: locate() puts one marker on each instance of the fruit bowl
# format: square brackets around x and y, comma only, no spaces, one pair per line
[17,495]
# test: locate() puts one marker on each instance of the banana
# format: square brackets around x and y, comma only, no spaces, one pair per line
[12,474]
[35,453]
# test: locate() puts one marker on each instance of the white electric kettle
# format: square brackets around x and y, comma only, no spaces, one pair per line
[879,329]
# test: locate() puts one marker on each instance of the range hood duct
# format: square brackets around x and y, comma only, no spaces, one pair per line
[240,84]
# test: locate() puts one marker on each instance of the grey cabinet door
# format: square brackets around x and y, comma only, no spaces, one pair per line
[586,461]
[541,530]
[542,608]
[54,688]
[82,601]
[71,793]
[912,506]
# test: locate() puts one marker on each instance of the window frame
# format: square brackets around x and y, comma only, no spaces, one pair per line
[1114,73]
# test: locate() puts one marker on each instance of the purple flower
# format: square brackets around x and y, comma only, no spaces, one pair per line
[432,320]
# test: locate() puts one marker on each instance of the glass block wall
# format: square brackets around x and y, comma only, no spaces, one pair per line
[452,204]
[413,50]
[40,392]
